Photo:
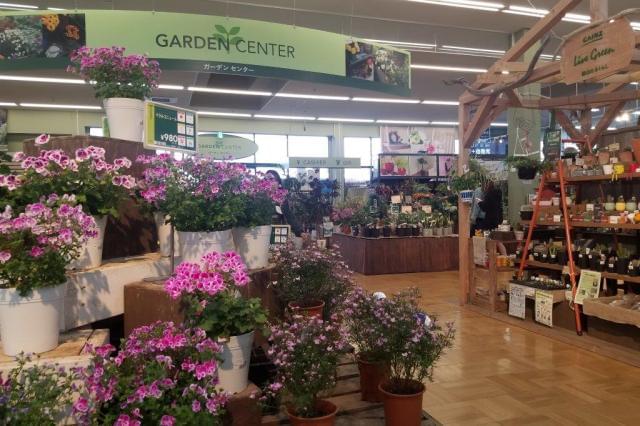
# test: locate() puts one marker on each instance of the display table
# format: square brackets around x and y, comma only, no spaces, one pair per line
[398,255]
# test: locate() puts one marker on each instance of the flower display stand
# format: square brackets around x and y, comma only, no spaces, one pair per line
[352,411]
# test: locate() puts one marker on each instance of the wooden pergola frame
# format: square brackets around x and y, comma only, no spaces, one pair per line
[499,86]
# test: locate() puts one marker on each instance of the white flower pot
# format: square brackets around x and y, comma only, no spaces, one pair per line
[519,235]
[91,251]
[164,235]
[31,324]
[233,372]
[252,244]
[427,232]
[126,118]
[194,245]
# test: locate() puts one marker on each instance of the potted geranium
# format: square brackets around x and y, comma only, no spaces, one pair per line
[209,296]
[366,318]
[162,375]
[311,281]
[415,343]
[306,352]
[122,82]
[35,248]
[260,194]
[97,185]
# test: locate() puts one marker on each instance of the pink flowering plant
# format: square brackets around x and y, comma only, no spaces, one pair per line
[97,185]
[260,194]
[310,275]
[209,295]
[305,352]
[114,74]
[198,193]
[415,342]
[342,216]
[37,244]
[163,375]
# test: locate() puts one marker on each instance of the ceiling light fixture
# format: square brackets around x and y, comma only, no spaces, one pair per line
[595,109]
[467,4]
[429,102]
[8,104]
[284,117]
[473,49]
[500,124]
[635,113]
[170,87]
[623,117]
[41,79]
[612,128]
[224,114]
[229,91]
[386,100]
[17,6]
[317,97]
[58,106]
[405,44]
[444,123]
[417,123]
[56,8]
[346,120]
[447,68]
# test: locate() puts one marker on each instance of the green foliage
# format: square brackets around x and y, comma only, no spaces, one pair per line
[26,273]
[35,394]
[256,210]
[191,213]
[522,162]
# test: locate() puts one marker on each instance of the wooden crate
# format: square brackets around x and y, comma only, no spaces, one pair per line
[601,308]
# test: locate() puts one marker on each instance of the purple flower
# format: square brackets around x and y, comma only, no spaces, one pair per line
[42,139]
[5,256]
[167,420]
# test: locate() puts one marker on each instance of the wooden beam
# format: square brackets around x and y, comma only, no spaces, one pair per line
[599,10]
[478,123]
[464,227]
[587,100]
[585,123]
[514,98]
[608,117]
[567,125]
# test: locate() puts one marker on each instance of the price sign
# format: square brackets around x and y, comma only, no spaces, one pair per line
[552,145]
[171,128]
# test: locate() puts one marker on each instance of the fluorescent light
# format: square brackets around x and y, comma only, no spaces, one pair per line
[635,83]
[539,13]
[346,120]
[170,87]
[477,5]
[595,109]
[406,44]
[224,114]
[418,123]
[612,128]
[500,124]
[429,102]
[447,68]
[520,12]
[387,100]
[56,8]
[635,113]
[529,9]
[473,49]
[41,79]
[58,106]
[284,117]
[305,96]
[8,104]
[17,6]
[623,117]
[444,123]
[229,91]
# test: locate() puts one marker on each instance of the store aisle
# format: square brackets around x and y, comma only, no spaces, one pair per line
[500,374]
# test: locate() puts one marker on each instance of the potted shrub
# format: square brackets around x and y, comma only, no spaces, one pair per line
[162,375]
[252,234]
[306,352]
[210,301]
[311,281]
[36,247]
[122,82]
[97,185]
[527,167]
[465,184]
[342,216]
[364,317]
[415,343]
[35,393]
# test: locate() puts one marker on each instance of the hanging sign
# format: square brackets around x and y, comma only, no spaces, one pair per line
[544,308]
[517,300]
[588,286]
[552,145]
[319,163]
[205,43]
[171,128]
[598,52]
[222,146]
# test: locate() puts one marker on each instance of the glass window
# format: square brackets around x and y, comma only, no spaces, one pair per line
[271,149]
[358,148]
[376,150]
[309,146]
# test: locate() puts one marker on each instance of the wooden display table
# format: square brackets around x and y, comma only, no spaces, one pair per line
[398,255]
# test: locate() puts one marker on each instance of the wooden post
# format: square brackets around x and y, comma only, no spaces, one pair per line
[464,227]
[599,10]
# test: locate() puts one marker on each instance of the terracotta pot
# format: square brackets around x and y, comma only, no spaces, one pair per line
[328,419]
[635,145]
[405,410]
[371,375]
[313,309]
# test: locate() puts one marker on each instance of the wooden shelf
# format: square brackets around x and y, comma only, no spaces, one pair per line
[574,224]
[599,178]
[605,274]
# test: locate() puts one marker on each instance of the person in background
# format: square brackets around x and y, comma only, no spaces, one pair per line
[491,205]
[476,213]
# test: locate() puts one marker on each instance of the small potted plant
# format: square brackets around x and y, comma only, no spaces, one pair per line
[465,184]
[553,254]
[209,297]
[526,166]
[427,226]
[306,352]
[544,254]
[162,375]
[622,263]
[634,268]
[415,343]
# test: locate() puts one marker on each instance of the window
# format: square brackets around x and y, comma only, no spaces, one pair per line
[367,149]
[271,149]
[308,146]
[94,131]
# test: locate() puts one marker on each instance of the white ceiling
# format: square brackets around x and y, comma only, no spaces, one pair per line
[396,20]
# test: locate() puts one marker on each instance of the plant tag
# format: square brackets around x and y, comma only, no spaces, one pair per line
[614,147]
[396,199]
[426,209]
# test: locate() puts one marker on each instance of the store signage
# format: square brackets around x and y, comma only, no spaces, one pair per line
[169,127]
[598,52]
[588,286]
[206,43]
[222,146]
[552,145]
[544,308]
[517,300]
[321,163]
[418,140]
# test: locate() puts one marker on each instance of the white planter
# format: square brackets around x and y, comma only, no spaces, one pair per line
[427,232]
[448,230]
[194,245]
[233,373]
[252,244]
[126,118]
[164,235]
[91,251]
[31,324]
[519,235]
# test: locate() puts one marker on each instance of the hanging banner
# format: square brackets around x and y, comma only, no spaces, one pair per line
[544,308]
[221,146]
[171,128]
[598,52]
[320,163]
[418,140]
[205,43]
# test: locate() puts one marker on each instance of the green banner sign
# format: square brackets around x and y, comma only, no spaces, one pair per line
[171,128]
[207,44]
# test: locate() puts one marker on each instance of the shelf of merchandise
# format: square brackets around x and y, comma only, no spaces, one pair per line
[599,178]
[576,224]
[605,274]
